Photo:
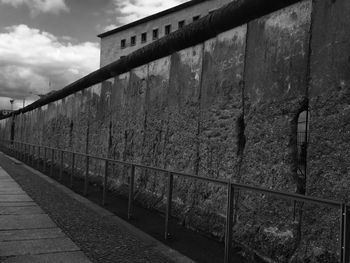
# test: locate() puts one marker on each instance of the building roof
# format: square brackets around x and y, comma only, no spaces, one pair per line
[152,17]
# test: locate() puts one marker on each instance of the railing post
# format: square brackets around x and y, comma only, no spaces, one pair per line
[30,154]
[33,155]
[61,165]
[228,230]
[168,206]
[44,161]
[27,154]
[23,152]
[39,156]
[105,178]
[131,191]
[72,171]
[15,149]
[38,159]
[28,160]
[86,182]
[52,161]
[345,234]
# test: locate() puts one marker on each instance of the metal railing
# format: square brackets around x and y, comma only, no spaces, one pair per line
[27,151]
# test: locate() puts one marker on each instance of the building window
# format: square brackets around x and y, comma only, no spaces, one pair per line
[133,41]
[302,139]
[195,18]
[143,37]
[155,33]
[123,43]
[167,30]
[181,24]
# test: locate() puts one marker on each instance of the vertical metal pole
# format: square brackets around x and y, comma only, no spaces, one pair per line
[86,182]
[228,230]
[25,153]
[72,171]
[168,207]
[39,156]
[105,178]
[345,234]
[33,155]
[38,159]
[15,150]
[131,191]
[52,161]
[61,165]
[342,216]
[29,155]
[45,154]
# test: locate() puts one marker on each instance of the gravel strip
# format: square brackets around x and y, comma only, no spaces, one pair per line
[101,239]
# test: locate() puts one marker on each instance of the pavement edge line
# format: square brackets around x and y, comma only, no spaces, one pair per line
[146,238]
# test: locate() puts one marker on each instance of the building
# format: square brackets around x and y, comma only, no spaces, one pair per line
[123,40]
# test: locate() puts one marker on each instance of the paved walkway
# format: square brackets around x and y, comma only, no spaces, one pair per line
[27,234]
[101,236]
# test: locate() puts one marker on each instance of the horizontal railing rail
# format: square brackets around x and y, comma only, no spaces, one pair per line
[24,150]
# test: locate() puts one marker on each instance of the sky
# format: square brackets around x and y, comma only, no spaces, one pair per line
[47,44]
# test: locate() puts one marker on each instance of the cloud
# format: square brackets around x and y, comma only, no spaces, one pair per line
[35,62]
[40,6]
[109,27]
[130,10]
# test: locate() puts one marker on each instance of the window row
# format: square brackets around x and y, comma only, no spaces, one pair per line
[155,33]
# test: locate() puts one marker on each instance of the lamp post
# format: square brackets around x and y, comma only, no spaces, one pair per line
[12,101]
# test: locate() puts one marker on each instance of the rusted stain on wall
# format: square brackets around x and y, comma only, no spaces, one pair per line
[275,90]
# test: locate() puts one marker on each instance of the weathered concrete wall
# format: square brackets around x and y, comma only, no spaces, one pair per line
[275,92]
[227,108]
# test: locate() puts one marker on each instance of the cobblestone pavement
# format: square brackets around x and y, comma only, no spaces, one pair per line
[100,238]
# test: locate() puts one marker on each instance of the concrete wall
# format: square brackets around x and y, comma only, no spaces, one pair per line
[228,108]
[110,45]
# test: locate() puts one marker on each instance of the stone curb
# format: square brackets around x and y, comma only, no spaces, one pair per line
[170,253]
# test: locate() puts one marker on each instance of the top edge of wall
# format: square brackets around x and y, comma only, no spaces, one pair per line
[229,16]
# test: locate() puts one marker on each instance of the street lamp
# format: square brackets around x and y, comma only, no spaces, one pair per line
[12,101]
